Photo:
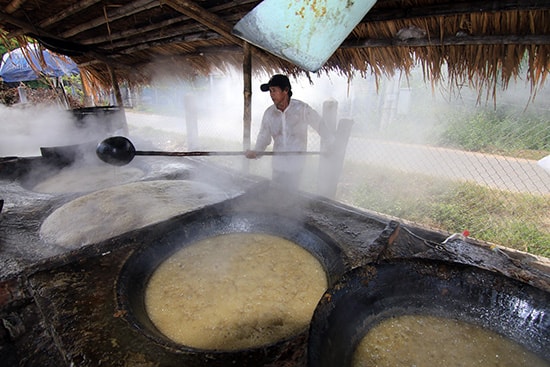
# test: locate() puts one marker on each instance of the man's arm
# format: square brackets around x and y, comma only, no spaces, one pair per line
[262,140]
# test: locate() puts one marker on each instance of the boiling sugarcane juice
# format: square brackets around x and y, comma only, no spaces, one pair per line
[235,291]
[415,340]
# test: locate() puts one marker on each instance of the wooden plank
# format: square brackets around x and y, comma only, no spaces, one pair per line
[205,36]
[67,12]
[247,94]
[331,164]
[134,32]
[205,17]
[71,10]
[119,13]
[13,6]
[166,30]
[381,14]
[542,39]
[23,25]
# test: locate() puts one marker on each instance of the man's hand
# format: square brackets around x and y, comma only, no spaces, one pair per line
[251,154]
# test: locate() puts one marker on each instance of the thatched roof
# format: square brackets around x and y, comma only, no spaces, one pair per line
[482,42]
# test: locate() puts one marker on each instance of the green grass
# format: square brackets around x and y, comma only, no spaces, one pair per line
[498,132]
[515,220]
[519,221]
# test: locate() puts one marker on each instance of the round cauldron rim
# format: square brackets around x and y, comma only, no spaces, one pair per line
[186,232]
[330,309]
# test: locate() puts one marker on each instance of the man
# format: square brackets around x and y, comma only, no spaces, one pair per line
[286,123]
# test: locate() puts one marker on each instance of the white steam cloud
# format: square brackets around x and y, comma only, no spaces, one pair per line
[24,129]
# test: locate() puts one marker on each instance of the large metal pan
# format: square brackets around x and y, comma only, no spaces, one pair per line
[369,294]
[137,271]
[67,154]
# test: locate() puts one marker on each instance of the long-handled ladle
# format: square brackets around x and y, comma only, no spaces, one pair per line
[118,150]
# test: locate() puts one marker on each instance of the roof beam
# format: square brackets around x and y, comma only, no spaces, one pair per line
[202,36]
[212,50]
[73,9]
[134,32]
[453,8]
[37,33]
[138,32]
[26,27]
[173,34]
[70,10]
[122,12]
[203,16]
[543,39]
[13,6]
[212,21]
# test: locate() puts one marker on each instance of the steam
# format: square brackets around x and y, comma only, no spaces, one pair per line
[26,128]
[219,108]
[397,108]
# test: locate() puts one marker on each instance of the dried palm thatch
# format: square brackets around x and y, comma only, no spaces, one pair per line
[483,43]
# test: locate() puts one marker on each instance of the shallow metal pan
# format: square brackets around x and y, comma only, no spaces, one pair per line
[369,294]
[136,272]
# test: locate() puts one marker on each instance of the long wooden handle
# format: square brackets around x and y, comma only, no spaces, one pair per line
[226,153]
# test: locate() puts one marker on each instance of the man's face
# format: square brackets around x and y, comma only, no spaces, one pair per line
[277,95]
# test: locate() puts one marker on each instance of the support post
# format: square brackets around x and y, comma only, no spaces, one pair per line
[116,88]
[333,162]
[22,94]
[118,96]
[247,91]
[88,99]
[191,121]
[330,112]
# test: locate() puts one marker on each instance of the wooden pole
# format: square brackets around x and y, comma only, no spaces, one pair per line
[88,99]
[333,162]
[325,174]
[116,88]
[119,101]
[247,91]
[191,121]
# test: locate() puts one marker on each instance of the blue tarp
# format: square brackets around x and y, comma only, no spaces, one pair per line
[16,68]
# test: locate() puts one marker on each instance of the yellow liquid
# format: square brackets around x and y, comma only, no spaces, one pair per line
[425,341]
[235,291]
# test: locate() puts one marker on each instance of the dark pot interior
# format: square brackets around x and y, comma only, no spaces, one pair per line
[67,154]
[136,272]
[369,294]
[107,119]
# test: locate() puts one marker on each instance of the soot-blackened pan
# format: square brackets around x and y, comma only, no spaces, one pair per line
[137,271]
[67,154]
[369,294]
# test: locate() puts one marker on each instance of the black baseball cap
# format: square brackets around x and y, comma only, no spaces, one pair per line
[277,80]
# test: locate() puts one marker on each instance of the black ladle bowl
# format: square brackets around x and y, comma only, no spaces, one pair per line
[116,150]
[119,151]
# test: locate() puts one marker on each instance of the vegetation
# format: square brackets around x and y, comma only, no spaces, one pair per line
[499,132]
[39,88]
[515,220]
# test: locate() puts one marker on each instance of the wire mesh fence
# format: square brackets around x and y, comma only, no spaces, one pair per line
[499,199]
[427,160]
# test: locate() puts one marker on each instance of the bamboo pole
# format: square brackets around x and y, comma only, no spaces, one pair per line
[203,16]
[13,6]
[67,12]
[118,97]
[247,91]
[122,12]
